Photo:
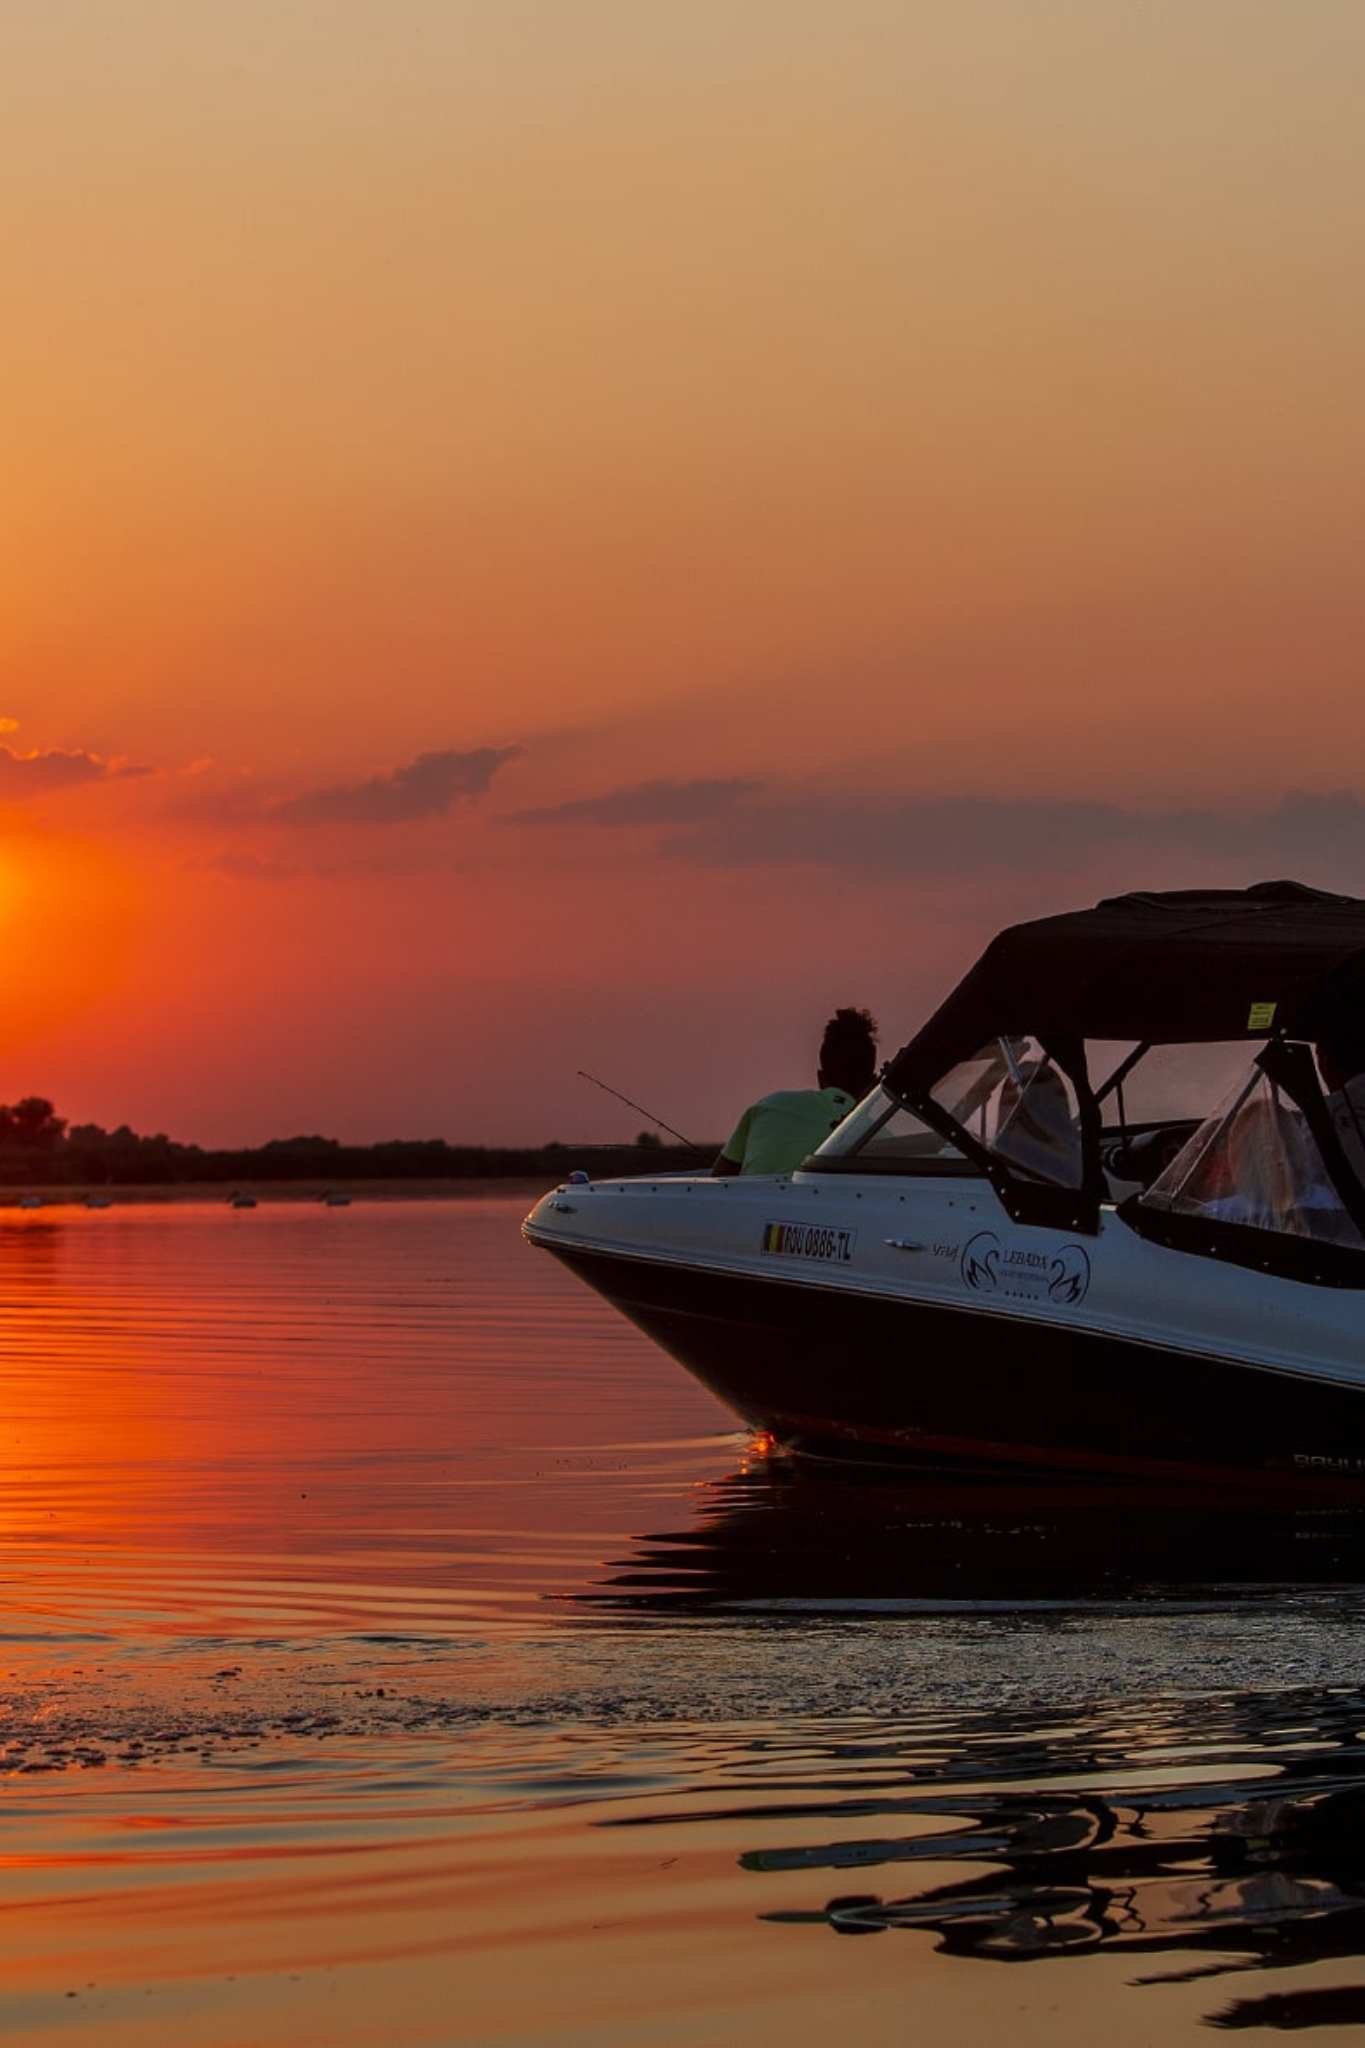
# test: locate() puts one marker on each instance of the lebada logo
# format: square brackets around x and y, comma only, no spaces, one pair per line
[1060,1274]
[981,1262]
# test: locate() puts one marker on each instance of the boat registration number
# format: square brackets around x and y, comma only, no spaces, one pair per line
[809,1241]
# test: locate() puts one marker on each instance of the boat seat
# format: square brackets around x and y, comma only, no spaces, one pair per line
[1142,1159]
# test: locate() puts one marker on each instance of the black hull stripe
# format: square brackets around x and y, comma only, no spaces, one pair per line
[821,1367]
[573,1254]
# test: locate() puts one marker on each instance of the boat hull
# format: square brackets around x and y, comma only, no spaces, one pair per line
[835,1372]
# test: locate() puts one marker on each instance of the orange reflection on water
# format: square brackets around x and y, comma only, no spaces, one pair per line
[293,1418]
[294,1748]
[90,1447]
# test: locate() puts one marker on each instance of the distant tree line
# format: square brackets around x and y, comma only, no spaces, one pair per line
[38,1148]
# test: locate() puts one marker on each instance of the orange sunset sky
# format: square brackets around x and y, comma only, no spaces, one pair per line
[555,533]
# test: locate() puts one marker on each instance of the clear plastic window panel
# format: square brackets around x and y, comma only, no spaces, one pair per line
[881,1133]
[1009,1096]
[1255,1162]
[1031,1116]
[1169,1083]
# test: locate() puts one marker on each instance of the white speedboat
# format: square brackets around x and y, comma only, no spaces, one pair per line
[995,1262]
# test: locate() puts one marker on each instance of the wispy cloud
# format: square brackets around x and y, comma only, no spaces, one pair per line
[253,867]
[646,803]
[425,788]
[26,775]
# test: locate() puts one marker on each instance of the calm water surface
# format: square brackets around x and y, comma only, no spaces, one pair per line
[395,1648]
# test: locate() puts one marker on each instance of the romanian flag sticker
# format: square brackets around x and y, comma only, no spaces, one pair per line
[809,1241]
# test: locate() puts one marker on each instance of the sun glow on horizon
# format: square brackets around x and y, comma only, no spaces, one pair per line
[69,918]
[885,469]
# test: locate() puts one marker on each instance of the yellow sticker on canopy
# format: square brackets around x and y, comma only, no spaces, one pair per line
[1261,1017]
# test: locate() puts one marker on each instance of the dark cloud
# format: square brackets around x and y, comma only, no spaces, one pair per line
[954,836]
[426,788]
[1300,827]
[24,775]
[942,835]
[646,803]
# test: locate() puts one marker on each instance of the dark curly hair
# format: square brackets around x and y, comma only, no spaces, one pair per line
[848,1052]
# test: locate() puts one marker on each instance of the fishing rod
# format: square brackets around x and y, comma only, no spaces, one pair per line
[583,1075]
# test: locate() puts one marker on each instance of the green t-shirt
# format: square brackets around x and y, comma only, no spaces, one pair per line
[776,1134]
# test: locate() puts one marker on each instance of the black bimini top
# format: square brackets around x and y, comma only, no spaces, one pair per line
[1185,967]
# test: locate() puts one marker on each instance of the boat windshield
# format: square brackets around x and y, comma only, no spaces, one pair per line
[1010,1097]
[883,1136]
[1255,1163]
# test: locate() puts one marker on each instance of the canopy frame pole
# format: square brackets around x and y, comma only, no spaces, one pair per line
[1121,1073]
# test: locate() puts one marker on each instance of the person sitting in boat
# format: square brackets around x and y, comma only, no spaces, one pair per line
[776,1133]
